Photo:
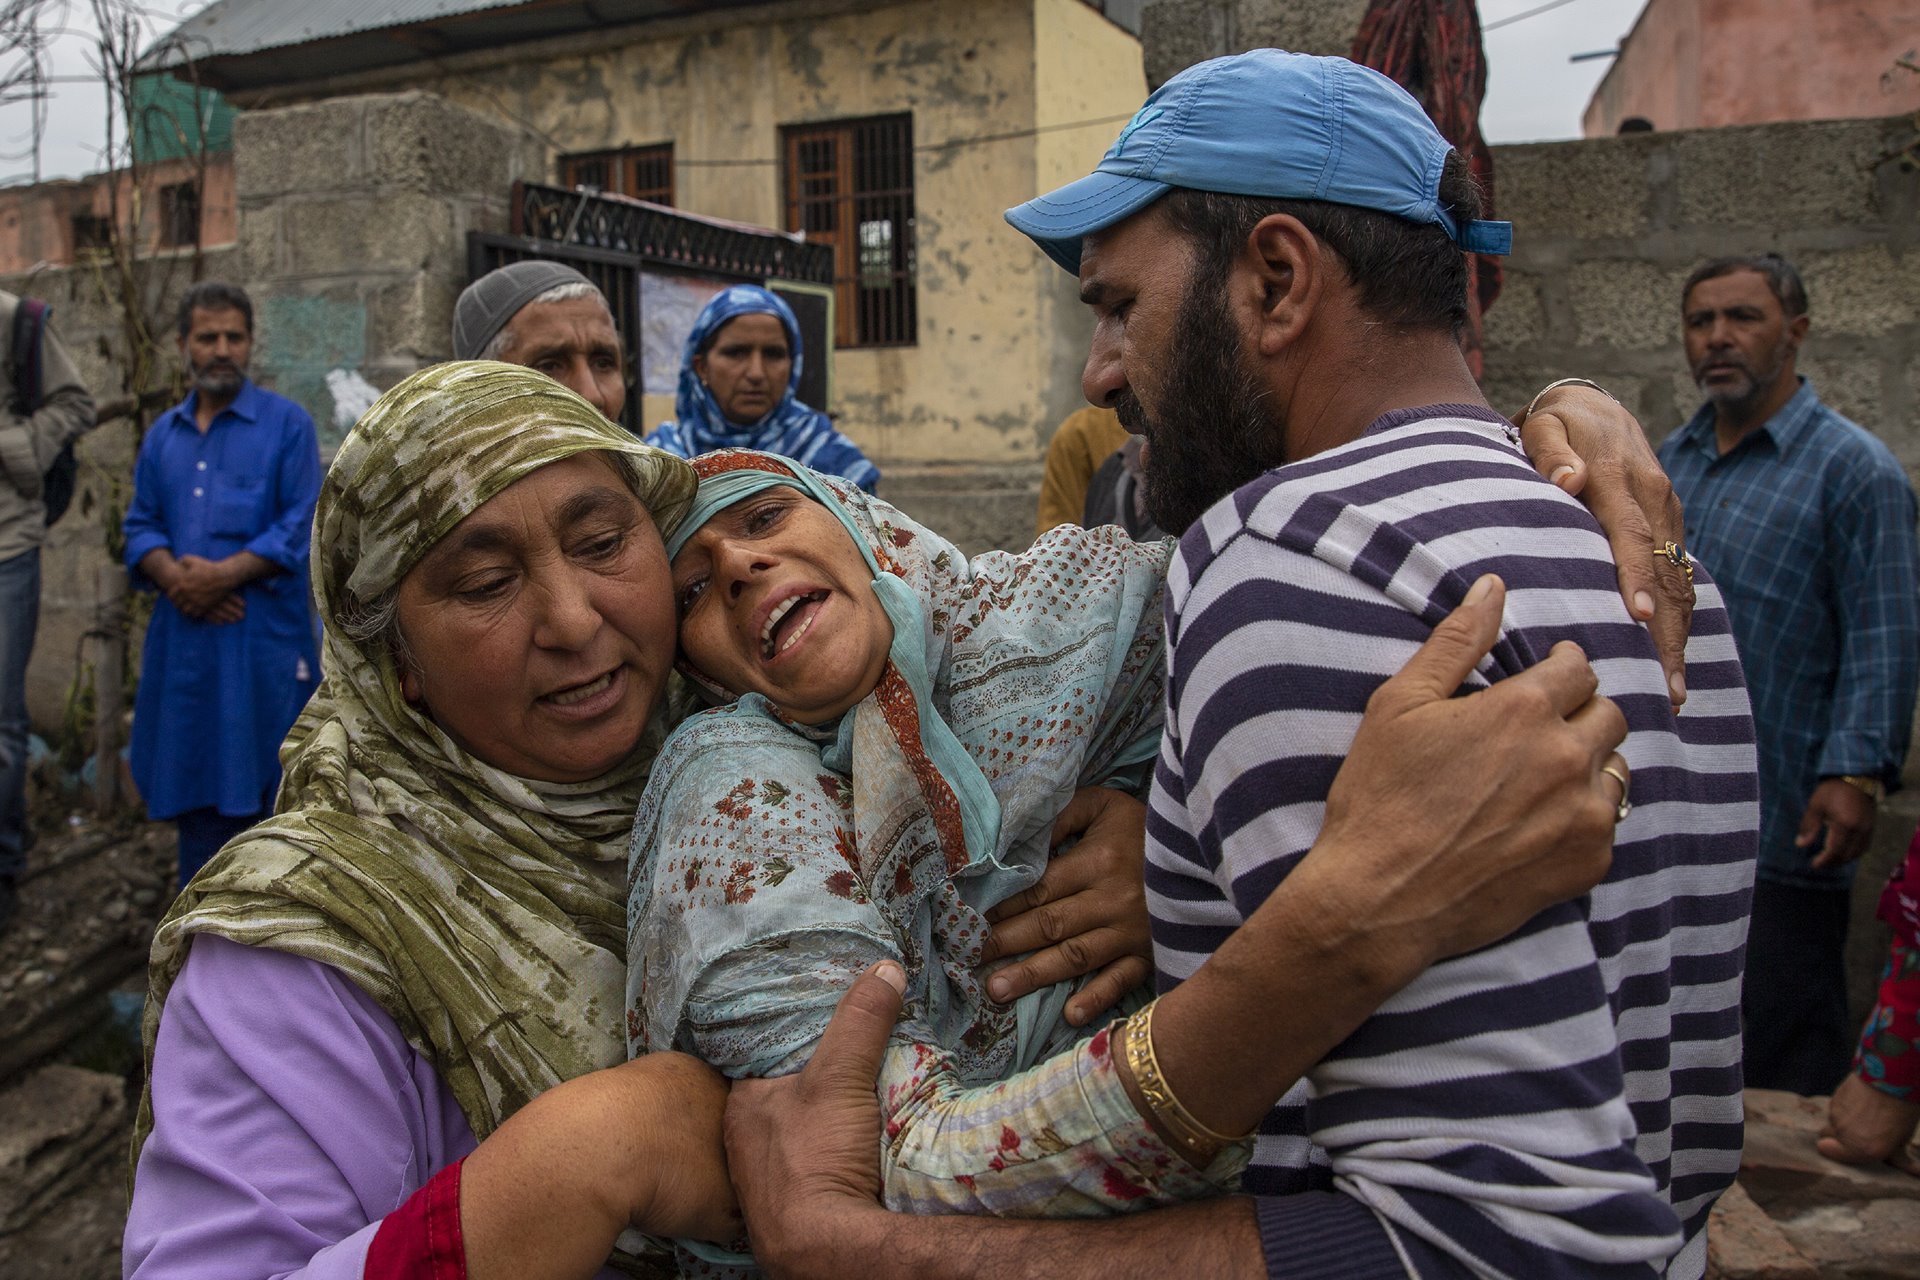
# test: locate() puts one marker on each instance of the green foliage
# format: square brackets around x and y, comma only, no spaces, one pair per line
[74,743]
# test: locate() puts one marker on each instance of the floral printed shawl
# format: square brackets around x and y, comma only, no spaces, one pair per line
[477,908]
[771,860]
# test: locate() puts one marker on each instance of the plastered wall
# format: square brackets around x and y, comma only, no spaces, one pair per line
[979,78]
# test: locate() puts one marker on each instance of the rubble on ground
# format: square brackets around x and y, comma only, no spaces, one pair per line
[88,906]
[63,1161]
[1796,1215]
[72,972]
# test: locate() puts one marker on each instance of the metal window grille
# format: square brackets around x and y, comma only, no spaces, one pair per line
[849,184]
[644,173]
[179,215]
[91,234]
[612,241]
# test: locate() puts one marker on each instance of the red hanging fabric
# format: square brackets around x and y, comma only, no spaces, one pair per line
[1432,49]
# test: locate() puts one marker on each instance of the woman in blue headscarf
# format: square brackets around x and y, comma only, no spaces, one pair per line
[904,726]
[738,376]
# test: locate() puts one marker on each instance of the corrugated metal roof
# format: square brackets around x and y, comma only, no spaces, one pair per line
[240,44]
[228,27]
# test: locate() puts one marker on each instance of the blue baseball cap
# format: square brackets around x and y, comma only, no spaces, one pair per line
[1265,123]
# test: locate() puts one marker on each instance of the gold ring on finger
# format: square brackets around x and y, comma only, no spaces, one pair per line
[1625,807]
[1674,554]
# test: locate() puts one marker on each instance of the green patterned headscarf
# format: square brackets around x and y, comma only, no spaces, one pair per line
[483,911]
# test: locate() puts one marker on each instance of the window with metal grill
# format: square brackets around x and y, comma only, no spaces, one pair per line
[92,234]
[645,173]
[179,215]
[850,184]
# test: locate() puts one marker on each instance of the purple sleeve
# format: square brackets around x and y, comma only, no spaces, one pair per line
[290,1116]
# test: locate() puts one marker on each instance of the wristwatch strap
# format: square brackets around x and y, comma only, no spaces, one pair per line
[1874,789]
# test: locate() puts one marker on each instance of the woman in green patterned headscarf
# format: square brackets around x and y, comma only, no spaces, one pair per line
[441,885]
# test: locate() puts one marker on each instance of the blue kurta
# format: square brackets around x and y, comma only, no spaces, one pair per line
[215,701]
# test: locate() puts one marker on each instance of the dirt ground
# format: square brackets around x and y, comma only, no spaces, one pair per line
[72,976]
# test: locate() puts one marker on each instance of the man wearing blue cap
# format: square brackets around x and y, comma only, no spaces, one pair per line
[1273,253]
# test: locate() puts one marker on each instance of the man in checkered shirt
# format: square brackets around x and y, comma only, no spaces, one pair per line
[1806,522]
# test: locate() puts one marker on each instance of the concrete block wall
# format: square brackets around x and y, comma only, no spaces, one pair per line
[1175,34]
[1605,233]
[353,220]
[352,241]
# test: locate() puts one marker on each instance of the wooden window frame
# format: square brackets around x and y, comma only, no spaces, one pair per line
[91,234]
[179,210]
[641,173]
[850,184]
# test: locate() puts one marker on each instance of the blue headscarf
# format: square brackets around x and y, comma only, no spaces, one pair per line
[790,429]
[772,862]
[1010,681]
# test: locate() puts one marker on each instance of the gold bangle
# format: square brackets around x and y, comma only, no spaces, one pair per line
[1179,1123]
[1872,788]
[1534,404]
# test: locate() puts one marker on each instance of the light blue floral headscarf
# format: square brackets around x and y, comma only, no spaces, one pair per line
[790,429]
[771,863]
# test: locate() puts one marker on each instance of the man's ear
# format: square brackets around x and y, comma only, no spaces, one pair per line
[1797,330]
[1289,267]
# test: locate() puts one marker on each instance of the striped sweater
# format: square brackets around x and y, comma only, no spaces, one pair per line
[1566,1102]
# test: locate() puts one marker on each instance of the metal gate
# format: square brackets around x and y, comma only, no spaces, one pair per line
[624,245]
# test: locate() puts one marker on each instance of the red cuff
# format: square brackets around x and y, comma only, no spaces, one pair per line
[421,1239]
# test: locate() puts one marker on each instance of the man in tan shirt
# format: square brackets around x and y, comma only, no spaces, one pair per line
[31,436]
[1087,438]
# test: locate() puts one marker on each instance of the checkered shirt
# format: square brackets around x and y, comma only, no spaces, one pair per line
[1807,525]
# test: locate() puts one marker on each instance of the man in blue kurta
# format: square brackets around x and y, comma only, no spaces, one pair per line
[1806,522]
[221,517]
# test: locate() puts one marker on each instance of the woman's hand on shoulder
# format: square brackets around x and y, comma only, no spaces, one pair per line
[1087,914]
[1586,442]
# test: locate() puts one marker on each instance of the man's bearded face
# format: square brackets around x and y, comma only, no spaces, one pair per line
[1738,339]
[1211,428]
[1735,380]
[217,346]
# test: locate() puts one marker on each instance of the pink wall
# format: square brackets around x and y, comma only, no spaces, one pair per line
[36,222]
[1691,64]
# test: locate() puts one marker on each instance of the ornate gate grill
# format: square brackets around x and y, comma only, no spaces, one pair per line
[611,240]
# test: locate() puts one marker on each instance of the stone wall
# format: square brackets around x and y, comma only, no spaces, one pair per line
[1175,34]
[1605,233]
[354,215]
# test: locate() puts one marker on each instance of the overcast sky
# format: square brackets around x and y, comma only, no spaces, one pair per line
[1533,93]
[75,111]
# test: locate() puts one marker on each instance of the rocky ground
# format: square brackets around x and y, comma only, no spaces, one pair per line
[1796,1216]
[72,975]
